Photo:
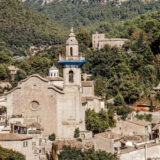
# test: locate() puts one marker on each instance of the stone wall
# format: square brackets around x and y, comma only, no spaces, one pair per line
[139,154]
[35,90]
[127,128]
[18,146]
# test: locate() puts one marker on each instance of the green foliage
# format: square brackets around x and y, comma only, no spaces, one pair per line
[79,139]
[83,37]
[119,100]
[129,91]
[123,112]
[3,72]
[20,75]
[25,28]
[3,110]
[68,153]
[96,122]
[52,137]
[147,117]
[17,116]
[94,15]
[6,154]
[76,133]
[158,96]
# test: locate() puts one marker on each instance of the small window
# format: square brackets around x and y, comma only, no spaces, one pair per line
[71,79]
[71,51]
[25,144]
[34,105]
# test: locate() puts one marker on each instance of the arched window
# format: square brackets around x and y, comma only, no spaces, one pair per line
[71,51]
[71,80]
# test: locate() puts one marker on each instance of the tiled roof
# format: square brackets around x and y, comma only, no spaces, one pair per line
[113,39]
[109,135]
[55,78]
[53,67]
[137,139]
[140,122]
[156,127]
[84,100]
[13,137]
[87,83]
[12,68]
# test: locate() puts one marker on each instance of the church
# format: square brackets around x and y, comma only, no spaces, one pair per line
[57,104]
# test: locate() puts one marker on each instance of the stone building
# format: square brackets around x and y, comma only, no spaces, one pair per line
[133,127]
[16,142]
[107,141]
[54,102]
[99,41]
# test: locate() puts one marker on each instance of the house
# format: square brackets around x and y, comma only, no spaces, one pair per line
[107,141]
[133,127]
[13,70]
[99,41]
[17,142]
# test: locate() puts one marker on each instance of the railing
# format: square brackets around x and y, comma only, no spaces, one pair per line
[79,57]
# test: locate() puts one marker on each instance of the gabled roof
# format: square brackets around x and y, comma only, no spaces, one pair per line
[139,122]
[53,67]
[37,76]
[55,78]
[13,137]
[12,68]
[34,75]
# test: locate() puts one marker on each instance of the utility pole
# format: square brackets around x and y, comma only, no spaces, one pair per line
[145,149]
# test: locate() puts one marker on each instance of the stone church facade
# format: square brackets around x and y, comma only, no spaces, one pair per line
[59,109]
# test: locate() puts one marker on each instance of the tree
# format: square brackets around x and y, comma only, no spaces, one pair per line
[8,154]
[84,37]
[52,137]
[20,75]
[158,96]
[123,111]
[96,122]
[69,153]
[3,72]
[119,100]
[76,133]
[129,91]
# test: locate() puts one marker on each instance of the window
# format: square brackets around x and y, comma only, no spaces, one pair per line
[25,144]
[71,51]
[71,80]
[34,105]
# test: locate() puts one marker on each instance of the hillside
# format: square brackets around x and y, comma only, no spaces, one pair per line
[92,15]
[22,28]
[116,2]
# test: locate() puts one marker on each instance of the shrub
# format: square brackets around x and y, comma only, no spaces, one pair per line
[52,137]
[76,133]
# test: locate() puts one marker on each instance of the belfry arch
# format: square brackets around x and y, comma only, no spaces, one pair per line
[71,76]
[71,51]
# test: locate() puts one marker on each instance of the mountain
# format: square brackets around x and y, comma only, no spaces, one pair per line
[116,2]
[92,15]
[21,28]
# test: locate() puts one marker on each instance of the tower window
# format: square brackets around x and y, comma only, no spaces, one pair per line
[71,80]
[71,51]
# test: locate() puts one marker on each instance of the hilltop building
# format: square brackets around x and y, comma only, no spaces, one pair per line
[57,104]
[99,41]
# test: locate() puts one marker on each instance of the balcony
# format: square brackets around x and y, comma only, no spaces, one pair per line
[79,57]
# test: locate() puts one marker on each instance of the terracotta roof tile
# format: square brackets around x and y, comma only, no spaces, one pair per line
[13,137]
[87,83]
[109,135]
[55,78]
[140,122]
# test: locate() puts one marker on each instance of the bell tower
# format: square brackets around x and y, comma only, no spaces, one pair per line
[72,61]
[73,113]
